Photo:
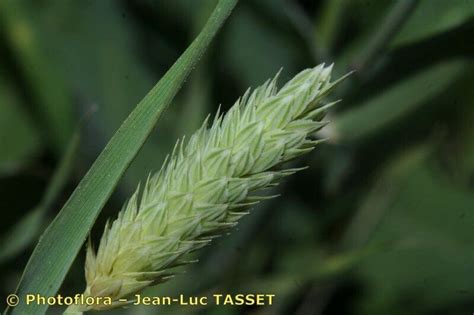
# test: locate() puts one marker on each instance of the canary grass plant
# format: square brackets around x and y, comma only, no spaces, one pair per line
[206,185]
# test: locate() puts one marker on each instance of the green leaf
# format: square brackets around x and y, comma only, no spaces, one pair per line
[330,22]
[62,240]
[23,233]
[384,109]
[98,43]
[433,17]
[383,33]
[27,229]
[98,47]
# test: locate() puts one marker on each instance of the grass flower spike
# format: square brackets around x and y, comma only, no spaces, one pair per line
[207,184]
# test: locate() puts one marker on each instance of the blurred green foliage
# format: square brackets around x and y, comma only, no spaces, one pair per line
[382,221]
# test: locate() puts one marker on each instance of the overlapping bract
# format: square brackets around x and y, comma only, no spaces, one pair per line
[207,184]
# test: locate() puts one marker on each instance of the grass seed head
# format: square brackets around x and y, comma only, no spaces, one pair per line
[207,184]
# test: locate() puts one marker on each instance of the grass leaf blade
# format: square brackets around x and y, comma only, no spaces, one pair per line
[27,230]
[62,240]
[399,100]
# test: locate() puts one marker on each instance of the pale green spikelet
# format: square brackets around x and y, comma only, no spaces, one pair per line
[206,185]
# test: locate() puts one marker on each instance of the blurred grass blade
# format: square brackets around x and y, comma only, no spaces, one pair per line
[432,18]
[406,96]
[383,34]
[27,230]
[62,240]
[23,233]
[330,22]
[303,25]
[381,196]
[198,95]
